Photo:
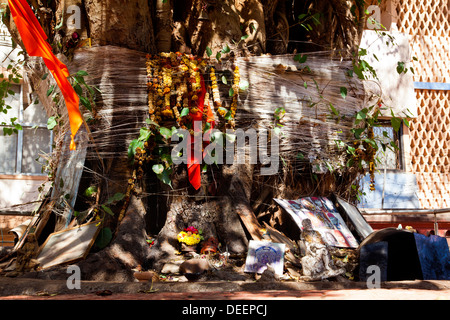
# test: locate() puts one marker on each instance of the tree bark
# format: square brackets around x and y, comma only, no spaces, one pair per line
[125,23]
[163,26]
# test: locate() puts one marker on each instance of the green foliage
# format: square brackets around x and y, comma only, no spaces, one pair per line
[85,92]
[362,150]
[8,79]
[305,20]
[104,238]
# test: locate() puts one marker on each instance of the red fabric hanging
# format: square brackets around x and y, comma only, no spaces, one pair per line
[34,40]
[194,164]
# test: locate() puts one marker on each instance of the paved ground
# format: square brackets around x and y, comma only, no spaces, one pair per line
[345,294]
[221,299]
[34,289]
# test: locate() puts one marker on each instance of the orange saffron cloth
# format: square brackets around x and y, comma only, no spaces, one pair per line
[34,40]
[194,165]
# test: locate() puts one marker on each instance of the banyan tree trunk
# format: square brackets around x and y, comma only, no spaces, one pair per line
[121,109]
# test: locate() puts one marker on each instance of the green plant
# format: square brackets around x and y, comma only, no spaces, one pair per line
[8,78]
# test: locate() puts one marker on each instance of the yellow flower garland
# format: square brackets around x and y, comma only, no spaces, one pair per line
[188,238]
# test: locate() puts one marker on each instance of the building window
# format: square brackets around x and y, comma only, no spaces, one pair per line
[390,157]
[19,152]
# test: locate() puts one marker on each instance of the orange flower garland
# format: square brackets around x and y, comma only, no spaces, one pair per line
[177,91]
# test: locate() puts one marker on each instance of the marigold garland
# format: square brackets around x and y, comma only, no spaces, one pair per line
[190,236]
[176,83]
[234,100]
[215,90]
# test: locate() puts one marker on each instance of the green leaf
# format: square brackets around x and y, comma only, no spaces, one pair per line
[406,122]
[133,146]
[228,116]
[218,56]
[207,126]
[401,67]
[51,123]
[82,73]
[208,51]
[357,132]
[359,73]
[245,37]
[151,122]
[372,142]
[166,133]
[86,103]
[158,168]
[107,210]
[231,92]
[351,150]
[144,134]
[343,92]
[300,58]
[396,123]
[226,49]
[279,113]
[224,80]
[7,131]
[50,90]
[104,238]
[44,76]
[115,198]
[361,115]
[78,89]
[394,145]
[165,177]
[333,109]
[228,113]
[91,191]
[184,112]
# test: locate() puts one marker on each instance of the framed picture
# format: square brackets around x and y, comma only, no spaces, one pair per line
[262,254]
[69,245]
[324,217]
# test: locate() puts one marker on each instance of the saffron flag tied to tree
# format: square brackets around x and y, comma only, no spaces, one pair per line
[34,40]
[194,163]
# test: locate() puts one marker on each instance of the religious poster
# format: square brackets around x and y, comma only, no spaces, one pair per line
[324,217]
[262,254]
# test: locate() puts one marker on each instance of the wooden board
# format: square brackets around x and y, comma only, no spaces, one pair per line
[68,245]
[250,222]
[278,236]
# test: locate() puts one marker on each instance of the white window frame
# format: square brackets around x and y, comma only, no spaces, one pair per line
[20,135]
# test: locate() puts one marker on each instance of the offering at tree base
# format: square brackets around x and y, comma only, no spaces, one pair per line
[324,218]
[210,246]
[190,236]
